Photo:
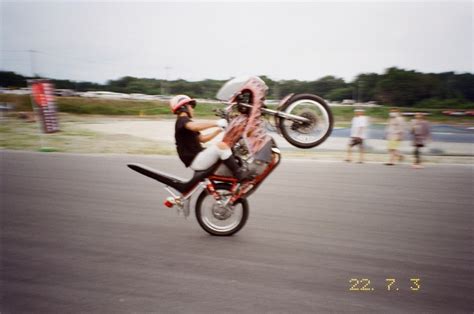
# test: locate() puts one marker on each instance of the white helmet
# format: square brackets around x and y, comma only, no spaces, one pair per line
[179,101]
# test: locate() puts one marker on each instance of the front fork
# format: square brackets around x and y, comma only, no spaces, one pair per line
[182,202]
[212,190]
[237,191]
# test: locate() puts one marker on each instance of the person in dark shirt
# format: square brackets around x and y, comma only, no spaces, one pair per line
[420,129]
[189,138]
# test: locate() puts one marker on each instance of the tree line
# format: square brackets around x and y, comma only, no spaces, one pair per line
[395,87]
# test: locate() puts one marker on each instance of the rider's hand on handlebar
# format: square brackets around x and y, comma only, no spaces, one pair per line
[220,113]
[222,123]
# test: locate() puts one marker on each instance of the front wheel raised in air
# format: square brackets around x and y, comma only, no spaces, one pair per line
[217,218]
[317,127]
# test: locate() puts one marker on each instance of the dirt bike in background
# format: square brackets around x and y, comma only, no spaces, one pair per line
[222,209]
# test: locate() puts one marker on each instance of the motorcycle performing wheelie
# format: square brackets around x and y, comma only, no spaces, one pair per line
[222,208]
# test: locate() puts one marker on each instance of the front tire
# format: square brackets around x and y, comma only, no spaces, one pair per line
[220,220]
[312,133]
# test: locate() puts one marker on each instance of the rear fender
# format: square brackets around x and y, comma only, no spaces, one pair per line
[284,101]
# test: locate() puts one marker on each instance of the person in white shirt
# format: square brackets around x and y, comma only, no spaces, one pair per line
[360,123]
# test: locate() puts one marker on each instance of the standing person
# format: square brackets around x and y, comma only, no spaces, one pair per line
[189,139]
[394,134]
[359,126]
[420,129]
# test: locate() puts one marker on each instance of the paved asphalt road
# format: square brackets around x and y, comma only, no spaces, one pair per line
[86,234]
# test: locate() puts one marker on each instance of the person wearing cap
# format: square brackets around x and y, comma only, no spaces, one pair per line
[359,127]
[189,138]
[394,133]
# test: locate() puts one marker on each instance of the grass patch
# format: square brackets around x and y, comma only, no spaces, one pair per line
[21,135]
[123,107]
[457,104]
[21,102]
[112,107]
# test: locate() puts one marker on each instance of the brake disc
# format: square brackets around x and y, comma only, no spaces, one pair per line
[305,127]
[221,212]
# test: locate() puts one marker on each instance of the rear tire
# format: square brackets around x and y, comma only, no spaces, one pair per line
[218,220]
[307,135]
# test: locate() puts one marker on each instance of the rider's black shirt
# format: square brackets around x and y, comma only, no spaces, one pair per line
[187,141]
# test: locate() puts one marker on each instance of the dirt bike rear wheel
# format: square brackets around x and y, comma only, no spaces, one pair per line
[306,134]
[221,220]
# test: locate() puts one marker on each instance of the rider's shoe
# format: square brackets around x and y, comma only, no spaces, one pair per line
[240,173]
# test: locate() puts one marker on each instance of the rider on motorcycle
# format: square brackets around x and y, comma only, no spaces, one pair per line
[189,139]
[222,207]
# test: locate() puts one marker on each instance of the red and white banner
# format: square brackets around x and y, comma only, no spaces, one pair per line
[42,93]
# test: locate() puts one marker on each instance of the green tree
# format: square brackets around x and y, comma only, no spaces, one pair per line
[400,87]
[340,94]
[365,86]
[325,85]
[11,79]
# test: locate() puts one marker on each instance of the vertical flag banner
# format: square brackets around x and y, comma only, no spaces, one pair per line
[42,94]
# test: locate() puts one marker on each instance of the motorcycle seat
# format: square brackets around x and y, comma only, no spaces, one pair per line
[175,182]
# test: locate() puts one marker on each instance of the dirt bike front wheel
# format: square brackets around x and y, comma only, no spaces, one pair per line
[219,219]
[317,127]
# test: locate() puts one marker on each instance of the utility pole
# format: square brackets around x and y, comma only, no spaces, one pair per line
[32,61]
[360,88]
[167,68]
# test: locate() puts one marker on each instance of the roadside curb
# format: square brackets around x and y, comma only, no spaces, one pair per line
[329,157]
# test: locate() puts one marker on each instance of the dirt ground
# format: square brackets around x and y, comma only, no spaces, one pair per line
[135,135]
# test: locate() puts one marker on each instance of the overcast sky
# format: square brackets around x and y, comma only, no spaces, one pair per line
[97,41]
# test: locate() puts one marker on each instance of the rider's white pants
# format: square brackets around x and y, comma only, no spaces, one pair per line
[208,157]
